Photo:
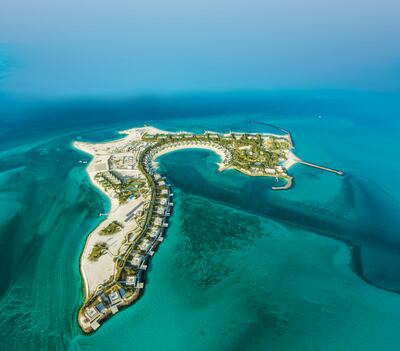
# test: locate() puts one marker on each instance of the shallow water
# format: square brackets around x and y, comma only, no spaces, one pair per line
[243,267]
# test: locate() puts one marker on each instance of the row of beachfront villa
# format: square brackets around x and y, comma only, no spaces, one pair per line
[127,287]
[207,134]
[151,165]
[149,160]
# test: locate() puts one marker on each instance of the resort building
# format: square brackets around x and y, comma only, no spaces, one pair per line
[115,298]
[154,233]
[92,313]
[145,245]
[137,260]
[101,308]
[130,280]
[161,211]
[158,221]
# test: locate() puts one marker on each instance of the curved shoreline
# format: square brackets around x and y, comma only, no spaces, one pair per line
[78,146]
[211,148]
[102,193]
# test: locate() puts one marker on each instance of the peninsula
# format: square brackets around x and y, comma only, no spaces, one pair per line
[117,252]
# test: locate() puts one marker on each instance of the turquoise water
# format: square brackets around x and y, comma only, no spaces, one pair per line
[243,267]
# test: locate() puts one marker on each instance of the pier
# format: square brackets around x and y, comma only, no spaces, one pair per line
[321,167]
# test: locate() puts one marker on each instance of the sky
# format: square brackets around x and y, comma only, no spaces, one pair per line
[66,48]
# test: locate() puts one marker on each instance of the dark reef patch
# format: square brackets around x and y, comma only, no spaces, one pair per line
[211,232]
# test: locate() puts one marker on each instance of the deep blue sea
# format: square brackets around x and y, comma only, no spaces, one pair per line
[243,267]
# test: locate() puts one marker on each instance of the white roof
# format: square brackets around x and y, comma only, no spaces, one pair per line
[131,280]
[154,233]
[137,260]
[145,245]
[91,312]
[114,297]
[95,325]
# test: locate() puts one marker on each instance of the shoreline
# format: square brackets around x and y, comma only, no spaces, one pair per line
[92,182]
[95,188]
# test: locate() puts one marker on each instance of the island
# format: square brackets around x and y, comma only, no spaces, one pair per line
[117,252]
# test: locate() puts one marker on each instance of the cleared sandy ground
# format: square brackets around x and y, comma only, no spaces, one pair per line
[291,160]
[96,273]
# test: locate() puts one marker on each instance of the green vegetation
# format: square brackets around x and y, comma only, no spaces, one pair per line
[112,228]
[99,249]
[124,187]
[129,187]
[107,180]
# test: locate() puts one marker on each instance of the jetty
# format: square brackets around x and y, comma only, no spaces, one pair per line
[286,186]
